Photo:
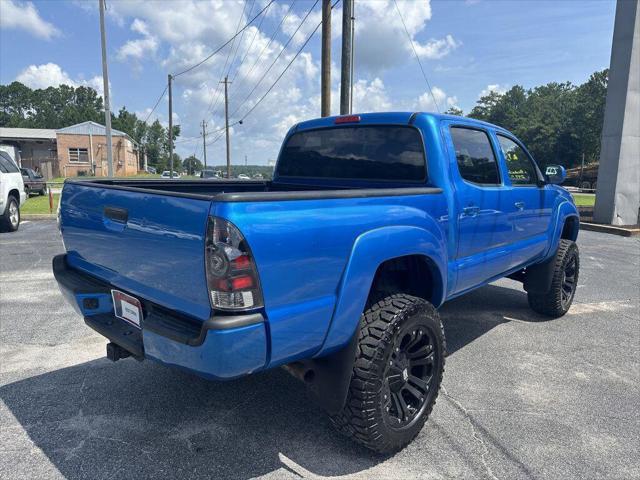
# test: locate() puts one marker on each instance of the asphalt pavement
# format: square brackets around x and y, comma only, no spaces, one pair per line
[523,397]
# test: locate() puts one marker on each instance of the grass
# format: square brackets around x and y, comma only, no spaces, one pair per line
[583,200]
[39,204]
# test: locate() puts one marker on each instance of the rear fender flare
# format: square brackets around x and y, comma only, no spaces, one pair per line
[370,250]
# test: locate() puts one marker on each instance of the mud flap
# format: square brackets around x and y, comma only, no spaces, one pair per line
[328,378]
[538,277]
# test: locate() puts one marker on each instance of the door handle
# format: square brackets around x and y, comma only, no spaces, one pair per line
[471,211]
[115,219]
[120,215]
[519,205]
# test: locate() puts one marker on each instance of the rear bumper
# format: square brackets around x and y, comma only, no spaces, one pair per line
[223,347]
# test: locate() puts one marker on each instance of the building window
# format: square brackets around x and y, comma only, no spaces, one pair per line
[78,155]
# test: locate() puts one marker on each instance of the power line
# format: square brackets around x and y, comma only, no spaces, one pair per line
[186,70]
[283,72]
[212,105]
[253,3]
[416,54]
[277,57]
[243,77]
[273,36]
[222,130]
[255,34]
[157,103]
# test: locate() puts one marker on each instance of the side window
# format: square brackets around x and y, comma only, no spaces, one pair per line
[522,170]
[474,154]
[6,164]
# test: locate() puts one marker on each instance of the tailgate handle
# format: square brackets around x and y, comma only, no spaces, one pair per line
[120,215]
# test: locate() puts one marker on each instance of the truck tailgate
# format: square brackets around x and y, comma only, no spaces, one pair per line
[148,244]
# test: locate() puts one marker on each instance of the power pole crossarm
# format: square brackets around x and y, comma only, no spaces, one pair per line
[105,83]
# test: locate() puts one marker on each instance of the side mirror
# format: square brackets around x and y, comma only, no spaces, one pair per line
[555,174]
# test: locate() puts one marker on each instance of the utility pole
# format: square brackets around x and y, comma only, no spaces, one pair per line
[325,76]
[226,123]
[347,50]
[204,142]
[353,52]
[105,83]
[169,79]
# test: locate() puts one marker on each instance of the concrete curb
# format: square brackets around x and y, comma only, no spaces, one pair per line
[621,231]
[38,216]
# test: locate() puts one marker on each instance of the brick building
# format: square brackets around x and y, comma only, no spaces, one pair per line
[71,151]
[83,148]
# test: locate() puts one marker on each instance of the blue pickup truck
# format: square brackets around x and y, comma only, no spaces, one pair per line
[334,269]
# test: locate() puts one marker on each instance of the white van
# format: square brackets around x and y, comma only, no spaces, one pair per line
[12,194]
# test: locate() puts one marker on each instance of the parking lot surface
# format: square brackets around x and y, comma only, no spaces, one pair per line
[523,397]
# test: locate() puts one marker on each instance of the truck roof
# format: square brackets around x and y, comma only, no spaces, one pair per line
[389,118]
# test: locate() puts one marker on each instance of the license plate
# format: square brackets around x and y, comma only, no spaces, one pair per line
[127,307]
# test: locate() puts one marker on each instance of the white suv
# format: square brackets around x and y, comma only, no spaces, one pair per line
[12,194]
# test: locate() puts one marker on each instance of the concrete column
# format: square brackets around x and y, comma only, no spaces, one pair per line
[618,193]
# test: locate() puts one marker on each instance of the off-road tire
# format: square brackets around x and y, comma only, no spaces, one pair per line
[552,304]
[364,417]
[5,219]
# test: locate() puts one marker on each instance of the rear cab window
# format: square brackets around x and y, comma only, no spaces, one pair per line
[385,153]
[475,157]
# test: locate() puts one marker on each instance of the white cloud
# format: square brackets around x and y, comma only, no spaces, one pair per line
[426,102]
[381,39]
[435,49]
[495,87]
[51,75]
[25,16]
[139,48]
[370,96]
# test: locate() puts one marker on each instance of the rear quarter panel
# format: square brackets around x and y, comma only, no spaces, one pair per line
[302,249]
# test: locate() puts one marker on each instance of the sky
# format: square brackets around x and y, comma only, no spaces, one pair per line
[467,48]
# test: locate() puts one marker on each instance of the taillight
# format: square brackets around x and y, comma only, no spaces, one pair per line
[232,277]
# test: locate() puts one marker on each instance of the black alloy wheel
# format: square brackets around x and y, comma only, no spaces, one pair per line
[409,378]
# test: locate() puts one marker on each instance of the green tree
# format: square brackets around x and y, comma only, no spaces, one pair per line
[454,111]
[588,115]
[191,164]
[15,104]
[558,122]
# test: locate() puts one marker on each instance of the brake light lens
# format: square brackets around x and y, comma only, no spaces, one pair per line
[232,277]
[347,119]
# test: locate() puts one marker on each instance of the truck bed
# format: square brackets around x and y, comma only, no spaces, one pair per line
[253,191]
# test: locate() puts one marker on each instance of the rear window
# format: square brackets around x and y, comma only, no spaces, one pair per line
[376,152]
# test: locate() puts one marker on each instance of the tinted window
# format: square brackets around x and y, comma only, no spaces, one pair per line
[476,160]
[393,153]
[521,169]
[7,165]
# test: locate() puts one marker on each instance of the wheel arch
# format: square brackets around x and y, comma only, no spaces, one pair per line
[570,228]
[14,192]
[374,256]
